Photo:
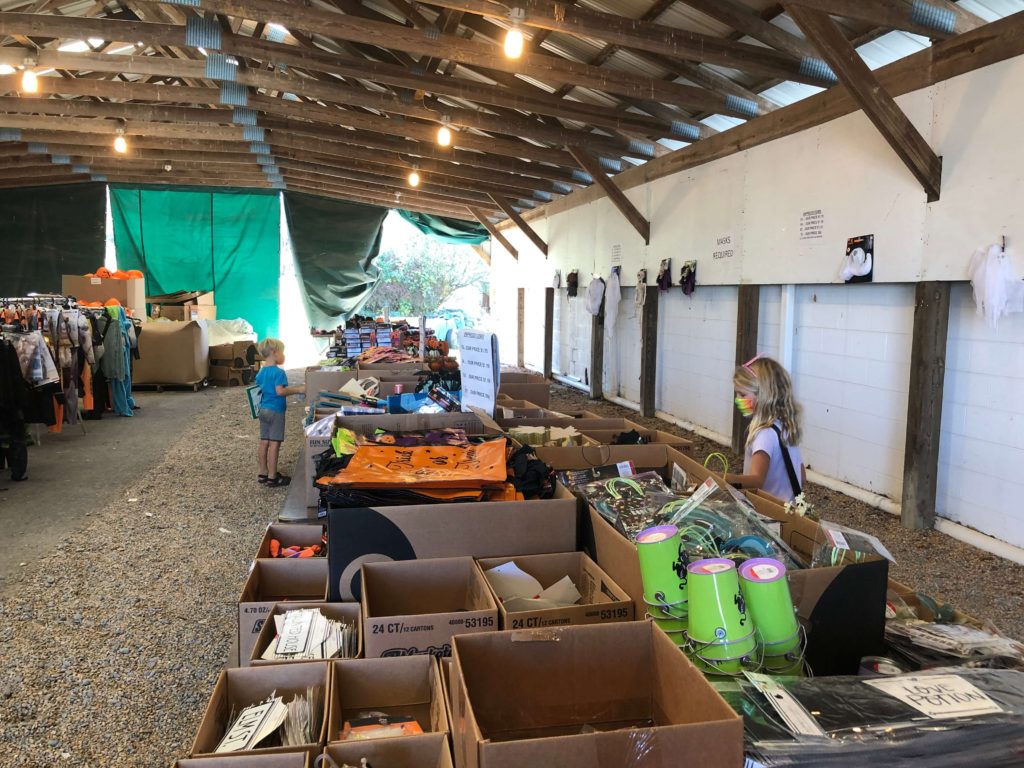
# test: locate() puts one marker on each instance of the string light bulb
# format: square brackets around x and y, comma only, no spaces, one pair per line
[444,136]
[29,79]
[120,143]
[414,178]
[514,41]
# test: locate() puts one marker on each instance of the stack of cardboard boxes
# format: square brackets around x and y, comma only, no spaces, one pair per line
[183,306]
[234,364]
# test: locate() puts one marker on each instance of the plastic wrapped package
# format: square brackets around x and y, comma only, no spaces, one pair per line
[838,544]
[626,502]
[946,717]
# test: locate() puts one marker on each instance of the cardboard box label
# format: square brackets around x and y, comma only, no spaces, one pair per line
[420,635]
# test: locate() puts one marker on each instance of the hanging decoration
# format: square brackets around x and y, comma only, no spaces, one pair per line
[640,297]
[688,277]
[665,275]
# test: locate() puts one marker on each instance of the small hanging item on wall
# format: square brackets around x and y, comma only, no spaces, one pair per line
[997,289]
[641,292]
[859,262]
[688,277]
[595,295]
[612,297]
[556,281]
[572,283]
[665,275]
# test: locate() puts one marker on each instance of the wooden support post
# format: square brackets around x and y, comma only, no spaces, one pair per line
[521,329]
[648,350]
[592,165]
[597,355]
[876,102]
[747,310]
[549,329]
[924,404]
[502,202]
[423,338]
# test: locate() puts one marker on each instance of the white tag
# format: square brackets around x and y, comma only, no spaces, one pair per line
[626,468]
[789,709]
[838,540]
[938,696]
[95,281]
[765,571]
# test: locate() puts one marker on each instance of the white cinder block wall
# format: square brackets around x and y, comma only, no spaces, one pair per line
[981,452]
[571,348]
[622,350]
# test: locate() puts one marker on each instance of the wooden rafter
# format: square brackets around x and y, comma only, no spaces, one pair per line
[591,165]
[927,17]
[510,211]
[494,232]
[877,104]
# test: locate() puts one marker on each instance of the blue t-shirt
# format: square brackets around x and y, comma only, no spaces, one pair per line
[269,379]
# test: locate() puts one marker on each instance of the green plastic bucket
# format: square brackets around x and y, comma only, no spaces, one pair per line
[721,632]
[664,585]
[766,591]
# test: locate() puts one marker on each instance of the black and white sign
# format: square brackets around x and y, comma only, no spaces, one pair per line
[481,371]
[938,696]
[812,224]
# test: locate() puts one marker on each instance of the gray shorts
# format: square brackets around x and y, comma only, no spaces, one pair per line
[271,425]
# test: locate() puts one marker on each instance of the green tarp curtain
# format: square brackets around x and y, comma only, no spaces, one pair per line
[334,244]
[454,231]
[188,239]
[47,232]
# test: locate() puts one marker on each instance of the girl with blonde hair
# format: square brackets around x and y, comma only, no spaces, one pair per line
[772,459]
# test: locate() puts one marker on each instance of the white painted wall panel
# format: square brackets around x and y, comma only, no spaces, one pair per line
[622,351]
[981,453]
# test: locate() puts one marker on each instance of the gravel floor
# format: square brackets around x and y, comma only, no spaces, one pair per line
[982,585]
[112,645]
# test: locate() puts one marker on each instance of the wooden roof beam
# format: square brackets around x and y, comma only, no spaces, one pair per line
[926,18]
[494,233]
[525,228]
[877,104]
[618,197]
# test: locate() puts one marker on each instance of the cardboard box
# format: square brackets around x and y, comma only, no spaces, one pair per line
[275,581]
[226,376]
[182,298]
[406,422]
[237,354]
[248,760]
[290,534]
[349,612]
[521,698]
[485,529]
[172,353]
[186,312]
[445,665]
[319,380]
[410,685]
[651,436]
[415,607]
[430,750]
[620,425]
[602,599]
[131,293]
[525,386]
[238,688]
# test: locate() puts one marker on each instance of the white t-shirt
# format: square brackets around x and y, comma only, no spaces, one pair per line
[776,482]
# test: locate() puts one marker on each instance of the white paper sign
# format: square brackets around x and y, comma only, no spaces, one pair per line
[478,362]
[938,696]
[812,224]
[616,254]
[725,246]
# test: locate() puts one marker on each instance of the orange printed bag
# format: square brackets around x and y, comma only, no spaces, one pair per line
[431,466]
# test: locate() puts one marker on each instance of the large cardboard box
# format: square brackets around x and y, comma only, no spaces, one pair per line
[349,612]
[131,293]
[291,534]
[602,599]
[276,581]
[414,607]
[234,354]
[426,751]
[185,312]
[183,298]
[525,386]
[474,424]
[578,697]
[410,685]
[485,529]
[581,424]
[651,437]
[172,353]
[320,380]
[248,760]
[238,688]
[225,376]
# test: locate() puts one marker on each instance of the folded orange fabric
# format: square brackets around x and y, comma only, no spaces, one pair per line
[444,466]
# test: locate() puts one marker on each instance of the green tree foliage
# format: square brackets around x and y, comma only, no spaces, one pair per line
[418,273]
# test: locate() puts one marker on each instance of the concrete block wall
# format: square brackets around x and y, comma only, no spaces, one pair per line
[571,349]
[533,347]
[851,374]
[981,451]
[622,350]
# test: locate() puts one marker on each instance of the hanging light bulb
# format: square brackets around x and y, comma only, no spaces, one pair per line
[444,136]
[29,79]
[120,144]
[414,178]
[514,37]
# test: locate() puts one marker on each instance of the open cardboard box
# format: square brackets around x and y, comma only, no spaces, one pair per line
[525,386]
[602,599]
[238,688]
[430,750]
[652,436]
[172,353]
[414,607]
[522,698]
[290,534]
[909,595]
[276,581]
[483,529]
[248,760]
[409,685]
[581,424]
[320,380]
[131,293]
[351,613]
[445,665]
[473,423]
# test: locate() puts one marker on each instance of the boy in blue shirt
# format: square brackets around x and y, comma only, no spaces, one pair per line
[273,384]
